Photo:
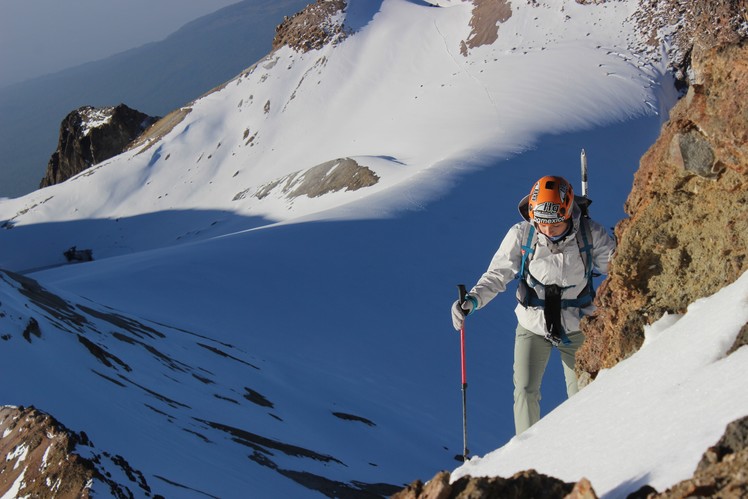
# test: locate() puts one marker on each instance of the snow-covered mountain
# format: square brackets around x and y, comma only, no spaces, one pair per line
[267,310]
[154,78]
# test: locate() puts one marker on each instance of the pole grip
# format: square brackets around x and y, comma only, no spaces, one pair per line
[462,292]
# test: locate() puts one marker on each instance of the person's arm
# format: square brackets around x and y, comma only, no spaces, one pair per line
[603,246]
[503,268]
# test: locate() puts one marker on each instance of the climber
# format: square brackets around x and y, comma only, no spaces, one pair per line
[553,253]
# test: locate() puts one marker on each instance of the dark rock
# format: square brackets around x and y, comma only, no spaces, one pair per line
[642,493]
[734,440]
[73,254]
[741,340]
[696,153]
[91,135]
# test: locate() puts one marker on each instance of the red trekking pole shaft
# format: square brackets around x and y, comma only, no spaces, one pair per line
[465,451]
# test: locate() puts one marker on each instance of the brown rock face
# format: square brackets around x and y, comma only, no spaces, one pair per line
[687,235]
[520,486]
[312,28]
[91,135]
[693,26]
[484,25]
[723,470]
[41,463]
[41,459]
[330,176]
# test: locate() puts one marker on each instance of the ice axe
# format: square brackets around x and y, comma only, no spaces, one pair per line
[464,456]
[583,161]
[583,202]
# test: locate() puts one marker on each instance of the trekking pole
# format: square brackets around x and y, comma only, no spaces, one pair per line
[464,457]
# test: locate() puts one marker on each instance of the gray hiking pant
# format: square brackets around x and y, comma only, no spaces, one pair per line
[531,354]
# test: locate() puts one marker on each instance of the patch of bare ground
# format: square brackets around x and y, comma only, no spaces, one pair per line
[312,28]
[487,16]
[159,129]
[519,486]
[331,176]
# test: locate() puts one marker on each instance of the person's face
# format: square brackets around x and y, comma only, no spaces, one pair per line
[554,230]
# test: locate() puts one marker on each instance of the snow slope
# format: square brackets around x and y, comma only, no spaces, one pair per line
[296,345]
[645,421]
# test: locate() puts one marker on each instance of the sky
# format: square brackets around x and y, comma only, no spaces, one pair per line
[39,37]
[208,294]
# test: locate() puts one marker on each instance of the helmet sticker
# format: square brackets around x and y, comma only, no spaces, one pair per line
[535,191]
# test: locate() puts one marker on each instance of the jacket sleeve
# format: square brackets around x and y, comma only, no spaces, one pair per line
[603,247]
[503,268]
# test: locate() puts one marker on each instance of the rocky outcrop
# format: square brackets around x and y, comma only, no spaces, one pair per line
[159,129]
[314,27]
[520,486]
[685,28]
[91,135]
[484,23]
[723,470]
[42,459]
[343,174]
[687,235]
[38,457]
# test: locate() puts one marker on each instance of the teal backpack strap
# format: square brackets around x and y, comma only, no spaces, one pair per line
[527,250]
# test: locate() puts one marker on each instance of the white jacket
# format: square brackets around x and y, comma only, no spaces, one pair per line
[557,263]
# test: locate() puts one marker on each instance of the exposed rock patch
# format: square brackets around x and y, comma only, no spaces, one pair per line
[37,456]
[686,28]
[722,471]
[520,486]
[687,235]
[331,176]
[487,16]
[159,129]
[91,135]
[41,460]
[314,27]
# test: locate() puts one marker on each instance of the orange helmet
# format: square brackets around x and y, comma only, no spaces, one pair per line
[551,201]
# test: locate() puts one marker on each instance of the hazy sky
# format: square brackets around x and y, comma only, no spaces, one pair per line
[38,37]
